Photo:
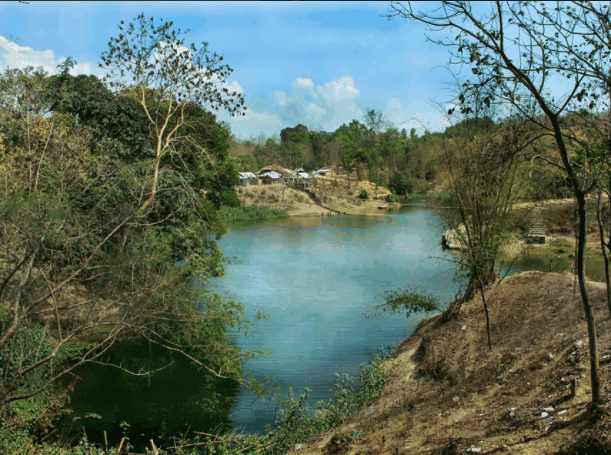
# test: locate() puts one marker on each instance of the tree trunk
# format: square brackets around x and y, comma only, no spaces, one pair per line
[587,305]
[604,246]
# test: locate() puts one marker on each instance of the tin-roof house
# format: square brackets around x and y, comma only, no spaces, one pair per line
[270,177]
[248,178]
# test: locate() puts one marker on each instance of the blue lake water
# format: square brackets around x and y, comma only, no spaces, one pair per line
[318,280]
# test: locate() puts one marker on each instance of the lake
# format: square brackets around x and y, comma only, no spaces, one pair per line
[318,280]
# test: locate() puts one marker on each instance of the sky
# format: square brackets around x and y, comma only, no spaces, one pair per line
[319,64]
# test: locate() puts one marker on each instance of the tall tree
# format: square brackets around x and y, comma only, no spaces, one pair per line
[510,51]
[76,176]
[151,63]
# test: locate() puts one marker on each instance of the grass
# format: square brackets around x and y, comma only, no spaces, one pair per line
[243,213]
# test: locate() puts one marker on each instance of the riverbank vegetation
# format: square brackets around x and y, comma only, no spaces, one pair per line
[247,213]
[109,208]
[114,191]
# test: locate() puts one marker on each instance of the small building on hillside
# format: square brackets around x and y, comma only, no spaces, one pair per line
[248,178]
[284,173]
[270,177]
[303,181]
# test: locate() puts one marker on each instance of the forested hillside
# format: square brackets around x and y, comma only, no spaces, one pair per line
[109,212]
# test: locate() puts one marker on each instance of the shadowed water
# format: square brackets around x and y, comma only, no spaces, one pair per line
[317,280]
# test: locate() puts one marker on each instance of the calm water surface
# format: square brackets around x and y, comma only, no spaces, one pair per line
[317,280]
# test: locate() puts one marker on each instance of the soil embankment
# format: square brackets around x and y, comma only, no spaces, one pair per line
[327,196]
[450,395]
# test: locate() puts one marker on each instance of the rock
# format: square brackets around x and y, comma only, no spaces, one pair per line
[454,238]
[544,414]
[455,398]
[579,343]
[474,449]
[298,446]
[548,420]
[549,409]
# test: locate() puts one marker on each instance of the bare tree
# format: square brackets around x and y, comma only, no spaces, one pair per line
[484,180]
[508,48]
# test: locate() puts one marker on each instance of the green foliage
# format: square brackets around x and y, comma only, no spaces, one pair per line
[470,127]
[107,238]
[409,300]
[243,213]
[363,195]
[392,198]
[400,184]
[377,179]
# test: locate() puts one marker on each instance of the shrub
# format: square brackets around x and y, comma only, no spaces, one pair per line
[232,214]
[363,195]
[392,198]
[377,179]
[400,184]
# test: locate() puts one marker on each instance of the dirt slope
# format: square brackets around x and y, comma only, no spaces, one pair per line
[451,395]
[327,196]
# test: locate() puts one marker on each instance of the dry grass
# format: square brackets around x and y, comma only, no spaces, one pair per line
[332,197]
[449,392]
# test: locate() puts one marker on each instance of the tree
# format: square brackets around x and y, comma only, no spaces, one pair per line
[517,57]
[74,177]
[150,63]
[375,121]
[484,182]
[400,184]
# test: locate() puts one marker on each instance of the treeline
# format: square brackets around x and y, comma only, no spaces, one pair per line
[374,148]
[111,194]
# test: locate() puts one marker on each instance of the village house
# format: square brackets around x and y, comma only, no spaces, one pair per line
[270,177]
[248,178]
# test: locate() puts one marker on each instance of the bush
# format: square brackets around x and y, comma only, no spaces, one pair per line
[400,184]
[232,214]
[363,195]
[392,198]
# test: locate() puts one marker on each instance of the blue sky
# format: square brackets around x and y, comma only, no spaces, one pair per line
[320,64]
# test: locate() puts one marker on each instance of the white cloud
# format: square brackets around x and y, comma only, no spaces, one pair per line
[342,88]
[13,55]
[235,87]
[253,124]
[315,111]
[325,105]
[322,106]
[303,82]
[281,98]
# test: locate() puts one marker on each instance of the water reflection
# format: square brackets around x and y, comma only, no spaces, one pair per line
[170,402]
[316,279]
